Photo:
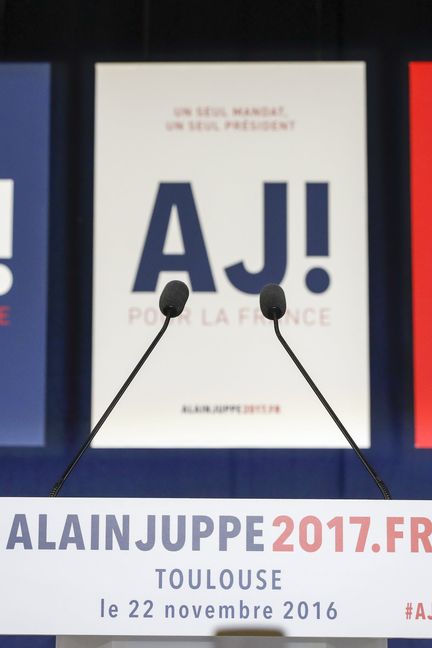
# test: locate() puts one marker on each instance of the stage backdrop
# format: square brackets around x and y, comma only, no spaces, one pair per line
[229,177]
[24,171]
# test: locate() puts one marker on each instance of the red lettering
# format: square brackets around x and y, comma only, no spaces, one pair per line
[5,315]
[420,613]
[421,531]
[393,533]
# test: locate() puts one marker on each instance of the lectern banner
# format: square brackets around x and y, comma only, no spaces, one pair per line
[230,177]
[312,568]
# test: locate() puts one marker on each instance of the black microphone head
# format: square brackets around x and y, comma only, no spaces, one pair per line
[173,298]
[272,301]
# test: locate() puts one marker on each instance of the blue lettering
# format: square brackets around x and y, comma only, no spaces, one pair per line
[94,543]
[113,529]
[44,543]
[181,533]
[275,244]
[229,527]
[252,533]
[194,261]
[72,534]
[317,233]
[19,533]
[151,533]
[202,527]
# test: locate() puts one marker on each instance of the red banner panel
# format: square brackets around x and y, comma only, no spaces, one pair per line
[420,75]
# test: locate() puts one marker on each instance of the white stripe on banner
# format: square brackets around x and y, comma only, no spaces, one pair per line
[6,218]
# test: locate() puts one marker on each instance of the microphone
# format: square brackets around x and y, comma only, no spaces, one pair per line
[273,306]
[272,301]
[172,302]
[173,298]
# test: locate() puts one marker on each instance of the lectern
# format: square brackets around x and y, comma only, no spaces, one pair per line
[201,573]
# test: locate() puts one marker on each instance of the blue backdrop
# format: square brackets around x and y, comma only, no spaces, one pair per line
[24,158]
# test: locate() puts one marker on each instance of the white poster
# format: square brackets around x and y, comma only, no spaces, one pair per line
[229,177]
[196,567]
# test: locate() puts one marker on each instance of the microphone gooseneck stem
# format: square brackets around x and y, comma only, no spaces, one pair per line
[59,484]
[379,482]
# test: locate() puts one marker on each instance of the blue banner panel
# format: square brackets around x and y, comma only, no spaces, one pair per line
[24,194]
